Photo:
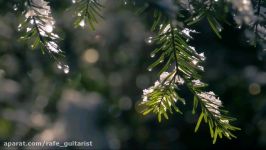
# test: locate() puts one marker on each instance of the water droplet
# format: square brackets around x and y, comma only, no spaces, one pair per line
[161,61]
[149,69]
[31,21]
[15,7]
[28,29]
[149,40]
[82,23]
[202,56]
[19,27]
[195,18]
[59,66]
[73,1]
[66,69]
[152,55]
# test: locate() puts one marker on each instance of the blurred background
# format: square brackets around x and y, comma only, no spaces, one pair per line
[98,99]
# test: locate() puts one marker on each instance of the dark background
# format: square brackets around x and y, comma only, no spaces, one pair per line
[98,99]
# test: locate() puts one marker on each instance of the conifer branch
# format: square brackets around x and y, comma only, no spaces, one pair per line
[180,64]
[38,28]
[174,48]
[87,12]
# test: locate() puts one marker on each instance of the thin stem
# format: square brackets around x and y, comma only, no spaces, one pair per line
[173,44]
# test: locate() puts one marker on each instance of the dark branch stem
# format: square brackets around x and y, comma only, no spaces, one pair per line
[173,44]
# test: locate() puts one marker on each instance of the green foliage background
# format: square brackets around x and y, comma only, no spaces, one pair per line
[97,101]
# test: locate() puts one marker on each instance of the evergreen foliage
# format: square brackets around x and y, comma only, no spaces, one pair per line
[179,62]
[87,12]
